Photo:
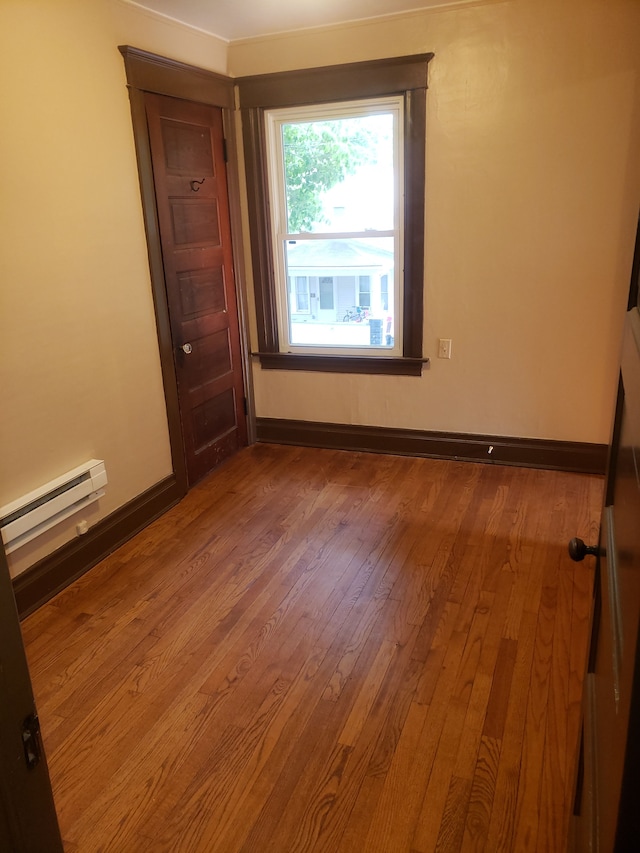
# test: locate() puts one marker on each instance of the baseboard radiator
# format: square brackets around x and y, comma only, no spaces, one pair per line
[40,510]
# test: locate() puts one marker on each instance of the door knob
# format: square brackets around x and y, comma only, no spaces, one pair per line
[578,550]
[187,348]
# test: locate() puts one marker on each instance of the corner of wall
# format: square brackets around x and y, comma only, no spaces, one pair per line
[148,30]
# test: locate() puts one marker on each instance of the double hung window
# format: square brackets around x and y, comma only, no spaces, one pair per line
[336,196]
[335,161]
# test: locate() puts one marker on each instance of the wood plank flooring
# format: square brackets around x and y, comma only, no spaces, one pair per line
[326,651]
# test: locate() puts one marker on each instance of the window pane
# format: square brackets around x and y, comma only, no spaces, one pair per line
[339,174]
[302,294]
[350,305]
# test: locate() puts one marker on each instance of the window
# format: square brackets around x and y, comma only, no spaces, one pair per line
[364,292]
[356,235]
[300,301]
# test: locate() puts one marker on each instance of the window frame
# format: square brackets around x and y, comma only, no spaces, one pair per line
[405,76]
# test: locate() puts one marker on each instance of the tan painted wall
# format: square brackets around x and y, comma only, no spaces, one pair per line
[79,366]
[532,201]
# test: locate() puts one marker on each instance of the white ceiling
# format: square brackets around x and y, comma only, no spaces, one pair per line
[237,19]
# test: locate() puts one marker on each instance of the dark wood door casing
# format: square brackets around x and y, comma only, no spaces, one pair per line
[147,72]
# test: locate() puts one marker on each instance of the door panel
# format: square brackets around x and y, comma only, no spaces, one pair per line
[187,148]
[195,223]
[201,291]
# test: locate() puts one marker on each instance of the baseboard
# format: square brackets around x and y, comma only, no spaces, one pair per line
[52,574]
[580,457]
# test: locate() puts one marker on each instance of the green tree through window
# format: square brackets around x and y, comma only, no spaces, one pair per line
[317,156]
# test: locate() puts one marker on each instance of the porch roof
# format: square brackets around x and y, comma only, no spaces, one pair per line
[339,255]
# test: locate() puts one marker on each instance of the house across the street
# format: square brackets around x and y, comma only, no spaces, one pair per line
[341,291]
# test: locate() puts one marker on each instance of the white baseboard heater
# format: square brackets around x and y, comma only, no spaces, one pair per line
[29,516]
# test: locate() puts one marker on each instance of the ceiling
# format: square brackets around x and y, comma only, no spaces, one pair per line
[238,19]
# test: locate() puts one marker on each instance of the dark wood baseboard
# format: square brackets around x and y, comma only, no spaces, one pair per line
[52,574]
[576,456]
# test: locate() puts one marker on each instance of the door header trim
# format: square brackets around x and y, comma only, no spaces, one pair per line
[153,73]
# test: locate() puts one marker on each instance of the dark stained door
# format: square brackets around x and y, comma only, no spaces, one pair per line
[615,655]
[187,150]
[608,793]
[28,822]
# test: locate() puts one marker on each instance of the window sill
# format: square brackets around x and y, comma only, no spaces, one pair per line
[342,363]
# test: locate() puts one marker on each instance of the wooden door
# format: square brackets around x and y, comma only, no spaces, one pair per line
[608,796]
[28,822]
[615,641]
[187,151]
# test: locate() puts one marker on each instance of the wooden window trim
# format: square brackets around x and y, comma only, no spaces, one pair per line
[406,76]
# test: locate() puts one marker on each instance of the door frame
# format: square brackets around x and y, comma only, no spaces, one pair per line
[148,72]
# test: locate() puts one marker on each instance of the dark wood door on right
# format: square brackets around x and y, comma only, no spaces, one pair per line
[607,805]
[187,149]
[28,821]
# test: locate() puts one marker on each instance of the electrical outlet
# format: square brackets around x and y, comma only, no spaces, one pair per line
[444,348]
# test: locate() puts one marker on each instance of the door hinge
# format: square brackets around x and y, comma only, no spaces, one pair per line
[245,405]
[225,152]
[31,741]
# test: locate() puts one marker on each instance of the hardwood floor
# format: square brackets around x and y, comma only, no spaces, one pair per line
[326,651]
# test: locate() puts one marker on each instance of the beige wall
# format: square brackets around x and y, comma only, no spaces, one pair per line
[79,366]
[532,199]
